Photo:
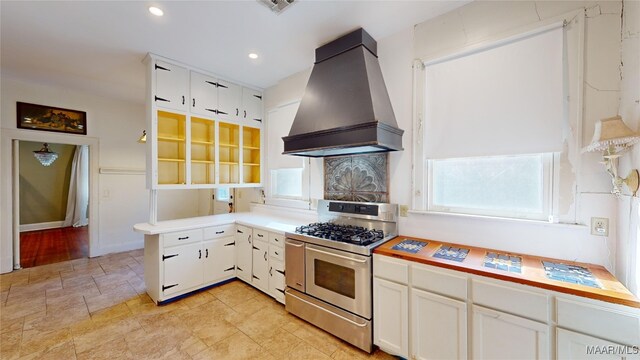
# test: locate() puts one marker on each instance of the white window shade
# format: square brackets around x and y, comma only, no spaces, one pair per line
[503,100]
[278,125]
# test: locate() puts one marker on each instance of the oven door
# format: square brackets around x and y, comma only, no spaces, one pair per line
[340,278]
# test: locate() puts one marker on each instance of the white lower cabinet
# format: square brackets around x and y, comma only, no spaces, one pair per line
[180,262]
[182,268]
[575,346]
[438,326]
[498,335]
[244,253]
[391,315]
[276,279]
[219,258]
[260,275]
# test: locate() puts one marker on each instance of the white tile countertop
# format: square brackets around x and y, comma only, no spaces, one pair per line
[276,224]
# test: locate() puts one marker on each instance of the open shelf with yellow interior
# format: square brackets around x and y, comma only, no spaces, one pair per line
[251,157]
[202,151]
[228,153]
[171,148]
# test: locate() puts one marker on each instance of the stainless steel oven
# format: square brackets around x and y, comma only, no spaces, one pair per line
[329,268]
[339,278]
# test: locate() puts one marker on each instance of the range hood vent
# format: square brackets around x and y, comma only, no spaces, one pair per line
[345,108]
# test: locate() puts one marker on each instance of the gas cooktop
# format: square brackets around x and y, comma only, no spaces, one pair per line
[342,233]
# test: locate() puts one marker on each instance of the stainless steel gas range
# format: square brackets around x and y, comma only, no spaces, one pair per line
[329,274]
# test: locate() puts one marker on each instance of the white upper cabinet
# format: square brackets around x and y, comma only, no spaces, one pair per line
[172,86]
[229,100]
[204,94]
[251,106]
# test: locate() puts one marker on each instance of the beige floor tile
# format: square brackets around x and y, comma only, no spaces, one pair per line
[278,342]
[23,308]
[59,319]
[236,347]
[319,339]
[116,295]
[12,325]
[307,352]
[65,350]
[113,349]
[103,333]
[114,312]
[36,340]
[10,344]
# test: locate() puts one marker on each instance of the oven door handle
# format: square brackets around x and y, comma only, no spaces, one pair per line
[294,244]
[337,255]
[330,312]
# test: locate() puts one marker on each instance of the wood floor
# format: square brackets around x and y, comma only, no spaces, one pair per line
[53,245]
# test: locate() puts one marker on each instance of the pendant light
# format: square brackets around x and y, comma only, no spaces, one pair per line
[45,156]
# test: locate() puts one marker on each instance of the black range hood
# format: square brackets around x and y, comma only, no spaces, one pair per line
[345,108]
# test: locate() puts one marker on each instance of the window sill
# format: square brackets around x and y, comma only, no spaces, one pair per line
[497,218]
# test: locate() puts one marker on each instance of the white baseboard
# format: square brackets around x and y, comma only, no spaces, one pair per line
[41,226]
[117,248]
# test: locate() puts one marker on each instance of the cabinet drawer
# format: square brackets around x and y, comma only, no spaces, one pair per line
[215,232]
[511,299]
[276,239]
[261,235]
[609,324]
[392,269]
[276,253]
[438,281]
[182,237]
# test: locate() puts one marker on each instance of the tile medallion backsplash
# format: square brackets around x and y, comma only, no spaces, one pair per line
[357,178]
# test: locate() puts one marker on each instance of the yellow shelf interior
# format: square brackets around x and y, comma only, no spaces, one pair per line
[251,155]
[229,153]
[171,148]
[202,151]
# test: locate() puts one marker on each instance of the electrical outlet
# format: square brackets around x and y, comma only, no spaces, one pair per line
[404,210]
[599,226]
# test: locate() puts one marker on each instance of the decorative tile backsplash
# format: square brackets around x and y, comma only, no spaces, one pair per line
[360,178]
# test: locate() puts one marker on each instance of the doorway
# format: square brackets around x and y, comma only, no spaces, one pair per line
[53,188]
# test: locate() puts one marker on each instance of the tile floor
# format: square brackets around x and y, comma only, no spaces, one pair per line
[98,309]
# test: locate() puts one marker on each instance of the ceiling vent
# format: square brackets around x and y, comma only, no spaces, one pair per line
[277,6]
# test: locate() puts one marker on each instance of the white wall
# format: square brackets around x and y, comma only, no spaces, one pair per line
[628,251]
[472,24]
[122,199]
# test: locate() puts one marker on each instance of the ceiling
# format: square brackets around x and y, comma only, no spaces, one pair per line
[99,46]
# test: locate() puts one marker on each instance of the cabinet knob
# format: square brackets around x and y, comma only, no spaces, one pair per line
[199,254]
[206,253]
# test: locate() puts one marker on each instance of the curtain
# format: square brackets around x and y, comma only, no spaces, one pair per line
[78,199]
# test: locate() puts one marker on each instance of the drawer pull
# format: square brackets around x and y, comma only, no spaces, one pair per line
[206,252]
[260,235]
[270,271]
[265,256]
[168,287]
[183,238]
[164,257]
[199,254]
[220,232]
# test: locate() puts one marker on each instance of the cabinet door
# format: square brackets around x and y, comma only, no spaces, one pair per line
[391,314]
[251,106]
[438,327]
[229,99]
[572,345]
[182,268]
[498,335]
[172,85]
[260,276]
[243,253]
[219,259]
[204,94]
[276,279]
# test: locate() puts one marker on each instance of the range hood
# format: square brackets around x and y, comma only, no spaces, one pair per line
[345,108]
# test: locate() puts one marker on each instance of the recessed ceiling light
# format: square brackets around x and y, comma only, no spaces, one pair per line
[253,55]
[156,11]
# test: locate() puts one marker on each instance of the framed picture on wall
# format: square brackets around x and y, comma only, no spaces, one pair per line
[49,118]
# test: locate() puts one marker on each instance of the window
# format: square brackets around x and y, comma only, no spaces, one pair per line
[287,183]
[490,123]
[222,194]
[507,186]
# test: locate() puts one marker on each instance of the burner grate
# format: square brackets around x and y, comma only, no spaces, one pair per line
[343,233]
